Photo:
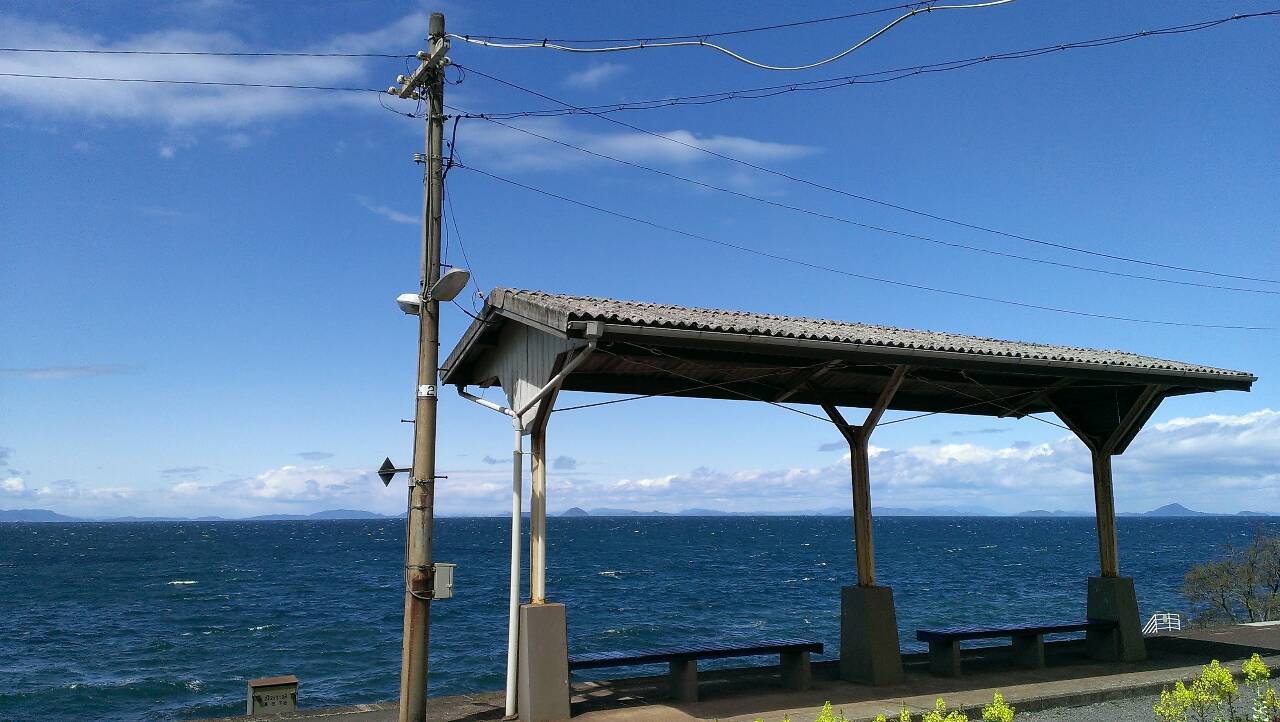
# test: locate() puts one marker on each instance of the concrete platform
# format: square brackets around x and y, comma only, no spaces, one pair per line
[742,695]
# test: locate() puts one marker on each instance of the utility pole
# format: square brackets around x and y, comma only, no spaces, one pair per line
[426,81]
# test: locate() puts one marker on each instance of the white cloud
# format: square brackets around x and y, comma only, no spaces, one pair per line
[512,148]
[1212,463]
[187,105]
[59,373]
[594,76]
[297,483]
[390,214]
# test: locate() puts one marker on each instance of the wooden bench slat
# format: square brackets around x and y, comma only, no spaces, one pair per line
[594,660]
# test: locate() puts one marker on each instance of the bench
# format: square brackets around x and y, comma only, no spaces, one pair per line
[1028,641]
[793,656]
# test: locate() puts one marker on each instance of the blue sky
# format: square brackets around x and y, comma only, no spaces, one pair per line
[198,283]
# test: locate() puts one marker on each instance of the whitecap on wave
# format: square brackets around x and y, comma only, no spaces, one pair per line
[611,574]
[179,582]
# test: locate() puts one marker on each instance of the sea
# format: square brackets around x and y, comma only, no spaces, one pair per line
[167,620]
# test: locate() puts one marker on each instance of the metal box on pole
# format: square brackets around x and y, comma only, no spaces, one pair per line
[442,587]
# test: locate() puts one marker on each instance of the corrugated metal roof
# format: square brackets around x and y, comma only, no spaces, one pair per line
[557,311]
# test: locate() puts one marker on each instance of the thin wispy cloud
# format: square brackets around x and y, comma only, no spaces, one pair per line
[514,149]
[183,470]
[60,373]
[387,212]
[314,455]
[594,76]
[980,432]
[188,105]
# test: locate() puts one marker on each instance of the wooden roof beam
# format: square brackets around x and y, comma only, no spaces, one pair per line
[806,378]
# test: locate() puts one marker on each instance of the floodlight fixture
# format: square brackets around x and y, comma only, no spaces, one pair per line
[449,285]
[410,303]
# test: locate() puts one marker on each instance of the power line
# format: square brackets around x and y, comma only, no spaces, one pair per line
[869,199]
[195,82]
[702,42]
[851,274]
[872,227]
[696,36]
[870,78]
[97,51]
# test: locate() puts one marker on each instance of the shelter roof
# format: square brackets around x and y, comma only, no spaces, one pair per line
[652,348]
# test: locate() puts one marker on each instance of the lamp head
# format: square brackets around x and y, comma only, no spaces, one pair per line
[449,285]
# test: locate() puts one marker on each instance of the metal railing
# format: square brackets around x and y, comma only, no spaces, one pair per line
[1163,622]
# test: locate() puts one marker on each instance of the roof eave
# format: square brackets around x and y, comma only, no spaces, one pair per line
[1204,380]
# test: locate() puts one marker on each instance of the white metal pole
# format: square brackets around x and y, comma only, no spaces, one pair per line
[513,603]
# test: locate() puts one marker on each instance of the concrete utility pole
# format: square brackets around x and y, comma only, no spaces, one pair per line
[427,80]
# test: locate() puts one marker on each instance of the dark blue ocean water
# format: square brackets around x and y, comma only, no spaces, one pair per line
[168,620]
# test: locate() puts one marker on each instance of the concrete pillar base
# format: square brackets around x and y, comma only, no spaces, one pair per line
[869,651]
[1113,599]
[542,694]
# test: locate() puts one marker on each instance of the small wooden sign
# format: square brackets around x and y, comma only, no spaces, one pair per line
[273,695]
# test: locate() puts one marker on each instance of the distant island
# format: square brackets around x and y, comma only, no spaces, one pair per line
[1166,511]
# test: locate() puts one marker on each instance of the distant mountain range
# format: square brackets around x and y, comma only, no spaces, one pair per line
[1168,510]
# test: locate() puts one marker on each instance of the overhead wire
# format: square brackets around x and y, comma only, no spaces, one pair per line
[220,83]
[873,77]
[718,33]
[703,43]
[217,53]
[852,274]
[869,226]
[869,199]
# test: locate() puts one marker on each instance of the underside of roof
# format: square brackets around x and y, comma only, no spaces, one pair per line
[646,348]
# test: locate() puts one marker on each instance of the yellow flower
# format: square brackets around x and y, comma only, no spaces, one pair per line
[827,715]
[997,711]
[1255,670]
[1217,683]
[1175,703]
[940,713]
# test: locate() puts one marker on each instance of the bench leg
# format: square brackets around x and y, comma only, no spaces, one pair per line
[1028,650]
[796,673]
[944,658]
[684,680]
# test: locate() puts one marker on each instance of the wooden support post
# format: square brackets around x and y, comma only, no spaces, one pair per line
[1105,507]
[1104,443]
[859,438]
[863,543]
[538,499]
[538,516]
